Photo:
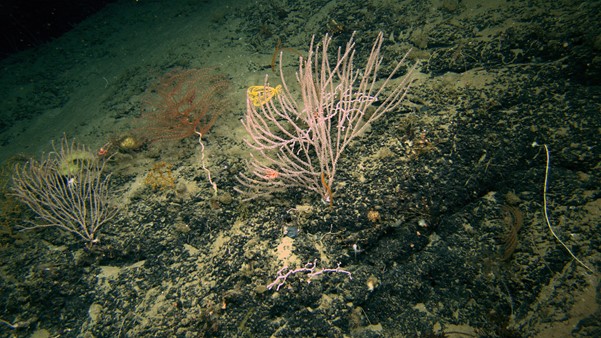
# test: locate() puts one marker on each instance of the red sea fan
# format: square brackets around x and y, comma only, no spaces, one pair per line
[183,102]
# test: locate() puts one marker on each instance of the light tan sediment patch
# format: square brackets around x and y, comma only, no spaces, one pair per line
[285,254]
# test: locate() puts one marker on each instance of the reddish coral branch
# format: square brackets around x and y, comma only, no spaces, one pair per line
[183,102]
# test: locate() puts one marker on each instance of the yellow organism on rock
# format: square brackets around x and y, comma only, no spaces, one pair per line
[259,95]
[74,161]
[128,143]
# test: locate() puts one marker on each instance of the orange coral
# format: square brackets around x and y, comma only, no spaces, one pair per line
[160,176]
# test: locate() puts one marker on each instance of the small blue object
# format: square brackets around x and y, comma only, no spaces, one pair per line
[292,232]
